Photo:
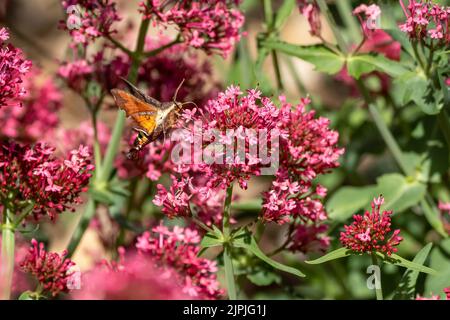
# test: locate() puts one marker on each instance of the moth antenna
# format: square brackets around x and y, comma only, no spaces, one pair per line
[176,91]
[191,102]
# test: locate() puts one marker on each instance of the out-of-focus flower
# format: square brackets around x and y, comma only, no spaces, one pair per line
[38,113]
[371,232]
[371,15]
[83,134]
[210,25]
[376,41]
[436,297]
[425,19]
[134,277]
[51,270]
[163,73]
[88,20]
[444,207]
[311,12]
[13,66]
[35,177]
[178,249]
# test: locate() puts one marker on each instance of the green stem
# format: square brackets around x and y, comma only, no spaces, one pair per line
[389,139]
[156,51]
[268,14]
[7,255]
[417,55]
[229,272]
[97,151]
[345,11]
[120,46]
[334,28]
[113,146]
[378,291]
[82,226]
[277,71]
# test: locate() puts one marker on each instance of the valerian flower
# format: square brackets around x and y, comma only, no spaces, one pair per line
[436,297]
[38,113]
[311,11]
[13,67]
[51,270]
[178,249]
[30,175]
[88,20]
[372,231]
[424,19]
[210,25]
[133,277]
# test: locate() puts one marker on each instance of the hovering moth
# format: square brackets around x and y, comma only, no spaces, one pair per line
[152,117]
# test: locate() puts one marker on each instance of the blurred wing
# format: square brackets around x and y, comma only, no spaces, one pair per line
[143,114]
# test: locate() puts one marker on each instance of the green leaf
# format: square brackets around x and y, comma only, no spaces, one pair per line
[333,255]
[320,56]
[264,278]
[27,295]
[283,13]
[252,205]
[250,244]
[365,63]
[211,240]
[347,201]
[439,260]
[397,260]
[399,191]
[432,215]
[406,289]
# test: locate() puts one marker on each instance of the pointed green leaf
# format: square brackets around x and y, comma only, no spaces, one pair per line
[333,255]
[399,191]
[406,289]
[283,13]
[347,201]
[26,296]
[320,56]
[250,244]
[397,260]
[365,63]
[210,240]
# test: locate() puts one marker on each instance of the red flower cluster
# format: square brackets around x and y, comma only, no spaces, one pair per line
[88,20]
[13,67]
[50,269]
[38,114]
[178,249]
[210,25]
[31,175]
[370,232]
[426,19]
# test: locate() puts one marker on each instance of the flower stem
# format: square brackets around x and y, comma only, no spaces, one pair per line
[378,289]
[345,11]
[7,255]
[82,226]
[229,273]
[334,28]
[120,121]
[443,120]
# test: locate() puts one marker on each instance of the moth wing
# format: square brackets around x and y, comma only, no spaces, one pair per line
[138,93]
[144,114]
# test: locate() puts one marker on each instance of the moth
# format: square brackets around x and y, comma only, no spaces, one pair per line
[152,117]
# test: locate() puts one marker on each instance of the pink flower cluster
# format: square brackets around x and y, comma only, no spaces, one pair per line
[426,20]
[311,12]
[51,270]
[32,175]
[370,232]
[210,25]
[178,249]
[13,66]
[134,277]
[371,14]
[38,114]
[436,297]
[88,20]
